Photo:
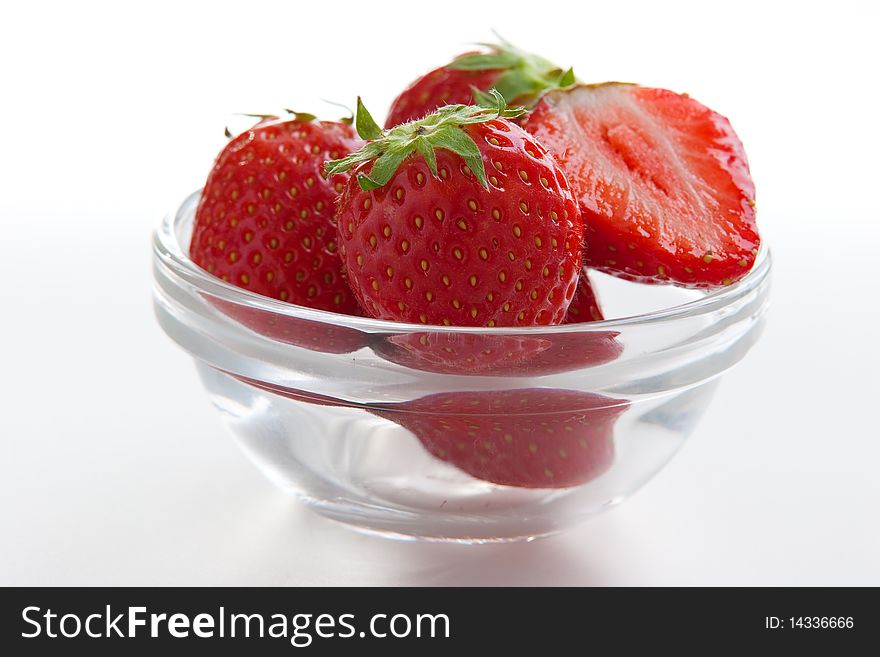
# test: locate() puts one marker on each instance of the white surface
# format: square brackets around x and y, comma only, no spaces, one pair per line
[114,469]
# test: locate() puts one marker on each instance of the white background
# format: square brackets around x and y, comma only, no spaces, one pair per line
[114,469]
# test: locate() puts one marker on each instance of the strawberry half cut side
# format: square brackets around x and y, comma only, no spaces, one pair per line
[662,181]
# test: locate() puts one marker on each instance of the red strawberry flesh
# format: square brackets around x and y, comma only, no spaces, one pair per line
[663,182]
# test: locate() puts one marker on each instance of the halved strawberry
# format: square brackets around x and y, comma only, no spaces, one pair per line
[529,438]
[662,181]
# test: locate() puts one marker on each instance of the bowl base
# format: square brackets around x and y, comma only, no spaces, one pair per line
[370,472]
[412,532]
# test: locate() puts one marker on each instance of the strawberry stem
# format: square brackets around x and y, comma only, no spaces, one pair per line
[387,149]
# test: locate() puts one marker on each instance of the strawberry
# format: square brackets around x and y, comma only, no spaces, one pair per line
[529,438]
[427,236]
[518,76]
[662,181]
[265,218]
[584,305]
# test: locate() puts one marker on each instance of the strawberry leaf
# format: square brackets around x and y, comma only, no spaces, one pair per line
[365,125]
[383,168]
[262,117]
[302,117]
[387,149]
[427,151]
[483,98]
[485,61]
[454,139]
[567,79]
[523,75]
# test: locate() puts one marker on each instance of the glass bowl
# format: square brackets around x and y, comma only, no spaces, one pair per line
[451,433]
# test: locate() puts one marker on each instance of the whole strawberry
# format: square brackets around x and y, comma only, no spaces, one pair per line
[265,218]
[662,181]
[460,219]
[518,76]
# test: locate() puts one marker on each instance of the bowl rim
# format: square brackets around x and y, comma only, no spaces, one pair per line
[169,253]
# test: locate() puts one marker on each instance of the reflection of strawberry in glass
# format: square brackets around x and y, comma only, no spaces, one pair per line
[293,393]
[529,438]
[499,355]
[296,331]
[509,355]
[458,353]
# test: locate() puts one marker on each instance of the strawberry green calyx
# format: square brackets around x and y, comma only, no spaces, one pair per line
[291,115]
[302,117]
[525,75]
[387,149]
